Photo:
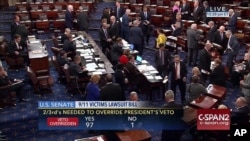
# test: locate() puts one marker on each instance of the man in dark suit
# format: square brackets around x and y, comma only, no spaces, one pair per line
[69,46]
[14,85]
[220,39]
[198,12]
[205,61]
[185,10]
[211,32]
[82,20]
[162,59]
[119,11]
[178,71]
[105,39]
[240,114]
[116,51]
[218,76]
[132,73]
[17,28]
[64,36]
[193,38]
[136,37]
[232,49]
[125,23]
[112,91]
[114,28]
[206,7]
[76,68]
[170,103]
[232,22]
[145,23]
[69,18]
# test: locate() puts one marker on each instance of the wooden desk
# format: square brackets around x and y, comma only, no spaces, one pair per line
[38,58]
[216,91]
[190,115]
[204,102]
[134,135]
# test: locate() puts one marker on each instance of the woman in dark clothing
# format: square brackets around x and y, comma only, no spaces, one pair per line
[218,75]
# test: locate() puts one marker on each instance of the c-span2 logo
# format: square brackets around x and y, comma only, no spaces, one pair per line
[213,119]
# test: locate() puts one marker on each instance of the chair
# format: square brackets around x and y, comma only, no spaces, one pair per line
[58,7]
[58,68]
[40,83]
[45,7]
[159,2]
[147,2]
[61,15]
[11,98]
[42,16]
[42,26]
[73,84]
[14,62]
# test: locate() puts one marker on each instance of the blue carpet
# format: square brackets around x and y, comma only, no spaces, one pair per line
[20,122]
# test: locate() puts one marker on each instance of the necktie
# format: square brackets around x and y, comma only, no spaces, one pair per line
[221,35]
[145,14]
[162,57]
[17,46]
[176,71]
[117,12]
[105,32]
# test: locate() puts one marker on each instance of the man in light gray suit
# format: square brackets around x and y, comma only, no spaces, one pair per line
[232,49]
[193,38]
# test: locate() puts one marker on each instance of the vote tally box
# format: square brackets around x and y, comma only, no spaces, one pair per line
[107,115]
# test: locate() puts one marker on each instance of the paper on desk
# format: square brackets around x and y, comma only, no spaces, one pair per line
[144,61]
[150,68]
[79,45]
[97,72]
[153,72]
[100,139]
[34,41]
[158,77]
[101,65]
[150,77]
[142,67]
[100,70]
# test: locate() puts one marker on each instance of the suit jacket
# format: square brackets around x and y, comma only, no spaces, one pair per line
[197,15]
[194,90]
[116,52]
[204,15]
[63,38]
[218,76]
[82,21]
[69,20]
[177,32]
[192,38]
[112,92]
[68,46]
[103,38]
[143,17]
[211,33]
[13,28]
[135,35]
[120,78]
[232,23]
[114,30]
[125,23]
[217,39]
[13,47]
[74,69]
[120,13]
[234,44]
[245,87]
[185,10]
[158,59]
[133,73]
[183,70]
[205,60]
[240,115]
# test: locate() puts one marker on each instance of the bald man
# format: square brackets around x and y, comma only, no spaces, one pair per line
[232,22]
[240,113]
[220,39]
[69,18]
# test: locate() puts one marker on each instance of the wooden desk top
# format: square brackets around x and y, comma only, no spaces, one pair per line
[216,91]
[204,102]
[134,135]
[93,138]
[36,50]
[190,114]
